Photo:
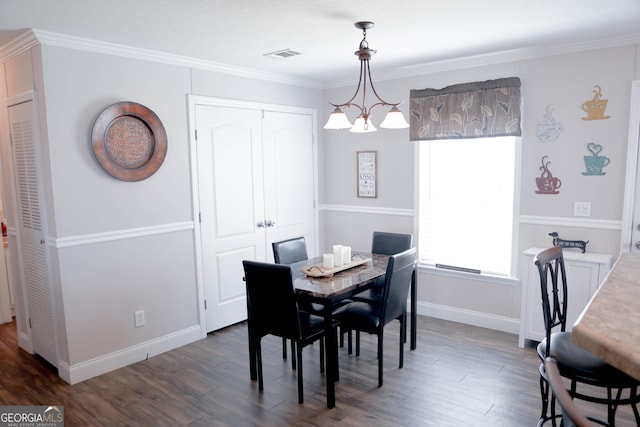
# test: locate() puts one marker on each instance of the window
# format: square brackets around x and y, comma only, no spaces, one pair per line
[466,203]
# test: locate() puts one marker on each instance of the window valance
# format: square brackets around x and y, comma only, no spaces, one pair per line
[467,110]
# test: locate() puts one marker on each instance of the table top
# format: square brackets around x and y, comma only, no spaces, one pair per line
[609,326]
[342,283]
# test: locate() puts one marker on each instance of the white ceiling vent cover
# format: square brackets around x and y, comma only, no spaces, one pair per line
[282,54]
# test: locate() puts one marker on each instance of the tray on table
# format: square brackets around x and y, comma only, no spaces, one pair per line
[318,270]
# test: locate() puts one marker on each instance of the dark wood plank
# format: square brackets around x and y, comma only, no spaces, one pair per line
[459,375]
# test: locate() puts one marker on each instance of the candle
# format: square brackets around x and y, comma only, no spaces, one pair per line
[337,256]
[346,255]
[327,261]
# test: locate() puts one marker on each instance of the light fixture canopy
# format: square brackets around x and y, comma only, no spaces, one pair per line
[338,119]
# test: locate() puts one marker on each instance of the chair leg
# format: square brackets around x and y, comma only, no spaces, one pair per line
[258,351]
[322,355]
[380,347]
[299,357]
[403,338]
[357,343]
[634,405]
[284,348]
[544,395]
[350,342]
[293,352]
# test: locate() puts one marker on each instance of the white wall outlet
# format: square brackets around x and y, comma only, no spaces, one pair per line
[582,209]
[139,318]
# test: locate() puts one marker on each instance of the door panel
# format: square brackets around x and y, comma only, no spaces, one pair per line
[231,204]
[289,178]
[631,210]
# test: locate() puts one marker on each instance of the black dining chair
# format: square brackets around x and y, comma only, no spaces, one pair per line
[288,252]
[572,416]
[273,310]
[386,244]
[574,363]
[372,318]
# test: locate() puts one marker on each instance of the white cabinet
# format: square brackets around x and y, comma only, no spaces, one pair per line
[585,272]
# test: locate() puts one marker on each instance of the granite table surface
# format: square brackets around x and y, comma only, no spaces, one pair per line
[609,326]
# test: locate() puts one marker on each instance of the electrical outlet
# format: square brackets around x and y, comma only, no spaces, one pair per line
[582,209]
[139,318]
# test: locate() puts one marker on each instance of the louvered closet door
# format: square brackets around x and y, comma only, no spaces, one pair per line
[35,277]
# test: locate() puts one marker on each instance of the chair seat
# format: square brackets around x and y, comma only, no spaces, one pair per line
[574,361]
[371,295]
[360,316]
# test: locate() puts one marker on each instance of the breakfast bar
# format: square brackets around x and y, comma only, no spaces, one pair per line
[609,326]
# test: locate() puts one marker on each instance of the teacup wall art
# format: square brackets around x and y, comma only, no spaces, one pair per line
[596,106]
[594,163]
[546,182]
[550,129]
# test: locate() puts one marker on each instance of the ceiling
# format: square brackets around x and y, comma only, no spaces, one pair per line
[406,32]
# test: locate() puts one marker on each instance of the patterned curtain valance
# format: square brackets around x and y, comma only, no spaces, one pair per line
[467,110]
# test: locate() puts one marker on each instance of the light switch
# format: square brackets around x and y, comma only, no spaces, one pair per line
[582,209]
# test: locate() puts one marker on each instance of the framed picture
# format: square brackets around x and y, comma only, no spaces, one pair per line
[367,170]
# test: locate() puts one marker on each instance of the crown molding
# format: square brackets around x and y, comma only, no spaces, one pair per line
[34,37]
[20,44]
[513,55]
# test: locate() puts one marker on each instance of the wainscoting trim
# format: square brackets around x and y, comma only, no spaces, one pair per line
[575,222]
[132,233]
[367,210]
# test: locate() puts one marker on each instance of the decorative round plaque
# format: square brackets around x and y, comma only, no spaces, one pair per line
[129,141]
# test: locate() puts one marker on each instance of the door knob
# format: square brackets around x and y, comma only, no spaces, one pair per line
[637,245]
[260,224]
[269,223]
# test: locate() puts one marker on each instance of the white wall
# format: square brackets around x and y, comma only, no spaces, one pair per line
[118,247]
[565,80]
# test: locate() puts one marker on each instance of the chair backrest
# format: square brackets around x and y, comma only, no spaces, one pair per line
[290,251]
[571,414]
[390,243]
[271,300]
[553,289]
[397,281]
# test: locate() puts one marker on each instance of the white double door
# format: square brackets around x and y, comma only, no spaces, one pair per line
[256,186]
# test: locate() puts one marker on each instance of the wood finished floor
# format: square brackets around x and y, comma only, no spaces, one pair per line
[458,376]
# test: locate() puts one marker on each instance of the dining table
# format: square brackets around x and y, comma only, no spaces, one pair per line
[332,289]
[609,326]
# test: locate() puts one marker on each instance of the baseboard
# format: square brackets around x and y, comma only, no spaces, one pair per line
[468,317]
[91,368]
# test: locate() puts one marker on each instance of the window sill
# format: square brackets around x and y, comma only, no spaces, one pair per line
[482,277]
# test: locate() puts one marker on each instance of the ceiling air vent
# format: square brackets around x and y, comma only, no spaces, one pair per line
[282,54]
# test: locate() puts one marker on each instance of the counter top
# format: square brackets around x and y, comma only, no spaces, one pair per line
[609,326]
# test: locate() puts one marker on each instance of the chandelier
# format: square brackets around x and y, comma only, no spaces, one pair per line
[338,119]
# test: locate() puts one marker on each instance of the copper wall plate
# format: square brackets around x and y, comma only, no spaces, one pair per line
[129,141]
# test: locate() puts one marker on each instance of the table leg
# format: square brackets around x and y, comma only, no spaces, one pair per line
[414,310]
[331,349]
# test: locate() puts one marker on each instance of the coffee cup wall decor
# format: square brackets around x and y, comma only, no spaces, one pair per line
[595,163]
[550,130]
[596,106]
[546,182]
